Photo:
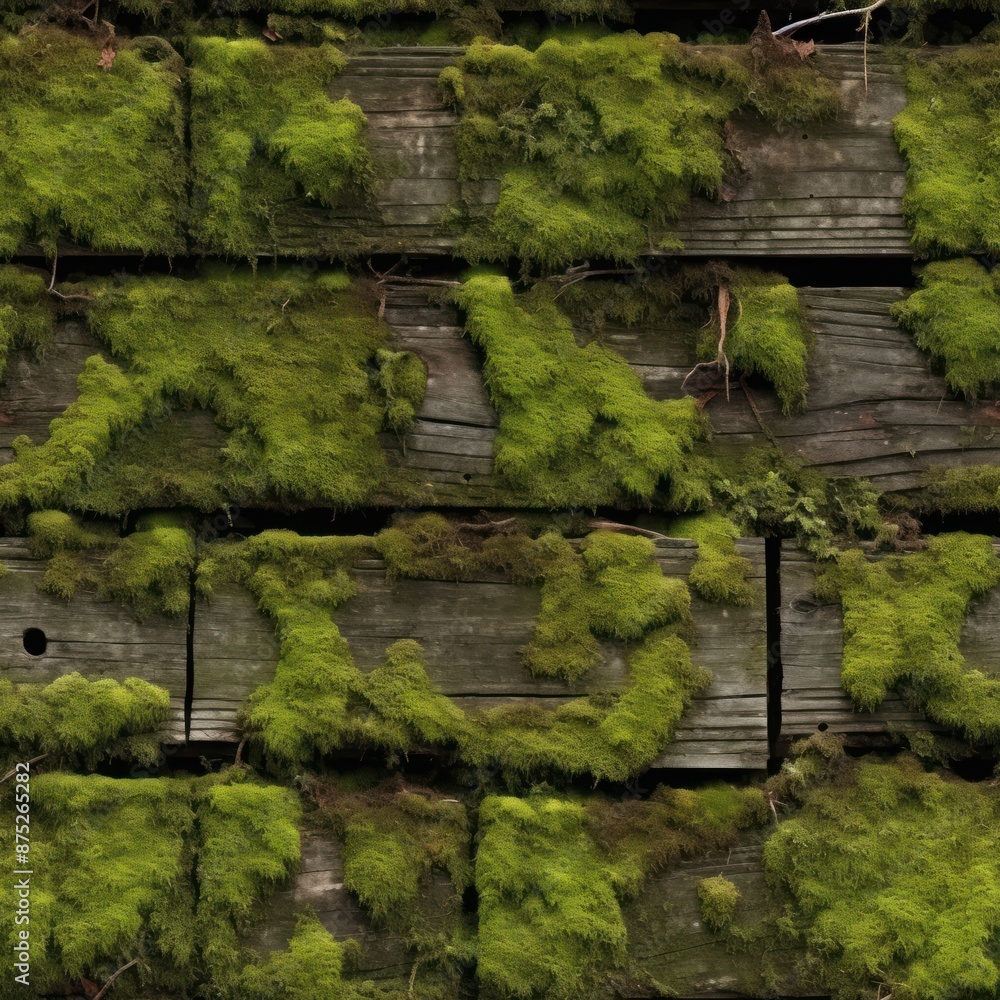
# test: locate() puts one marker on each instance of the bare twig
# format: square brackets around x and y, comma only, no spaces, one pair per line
[402,279]
[413,977]
[114,975]
[756,413]
[59,295]
[239,751]
[13,770]
[789,28]
[599,524]
[486,527]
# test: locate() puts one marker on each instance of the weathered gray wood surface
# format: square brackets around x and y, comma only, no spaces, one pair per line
[93,637]
[812,645]
[829,188]
[875,406]
[472,632]
[668,940]
[411,135]
[319,888]
[35,390]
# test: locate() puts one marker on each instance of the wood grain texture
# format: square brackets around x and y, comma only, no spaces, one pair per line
[94,637]
[831,188]
[472,633]
[812,647]
[319,888]
[670,943]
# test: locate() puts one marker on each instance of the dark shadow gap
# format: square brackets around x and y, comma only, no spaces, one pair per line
[775,676]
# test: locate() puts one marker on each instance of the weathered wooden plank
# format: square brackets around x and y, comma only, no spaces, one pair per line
[812,646]
[841,181]
[472,633]
[94,637]
[668,941]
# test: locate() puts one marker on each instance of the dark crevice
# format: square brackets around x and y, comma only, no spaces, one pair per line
[189,678]
[775,678]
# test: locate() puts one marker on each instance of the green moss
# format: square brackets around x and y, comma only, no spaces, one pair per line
[903,618]
[394,836]
[320,701]
[249,844]
[77,719]
[766,334]
[954,315]
[264,135]
[311,968]
[283,361]
[149,570]
[973,489]
[576,426]
[92,156]
[551,873]
[720,572]
[601,141]
[111,862]
[952,200]
[892,877]
[168,869]
[548,915]
[27,313]
[719,899]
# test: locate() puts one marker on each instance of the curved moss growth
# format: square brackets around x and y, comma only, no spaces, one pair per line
[600,142]
[954,315]
[27,313]
[892,877]
[903,618]
[296,367]
[551,873]
[319,700]
[264,135]
[952,200]
[92,156]
[720,573]
[576,426]
[79,720]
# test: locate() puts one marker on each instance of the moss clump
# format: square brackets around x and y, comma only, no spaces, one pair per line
[720,572]
[600,140]
[903,618]
[394,838]
[282,360]
[77,719]
[92,156]
[955,315]
[111,861]
[766,335]
[719,899]
[249,844]
[264,135]
[27,313]
[149,570]
[576,426]
[551,873]
[893,878]
[952,200]
[548,915]
[973,489]
[311,968]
